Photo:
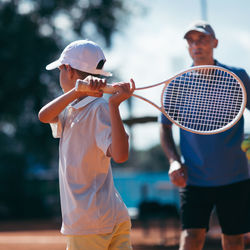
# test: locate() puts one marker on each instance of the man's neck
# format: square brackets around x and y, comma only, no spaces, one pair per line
[207,62]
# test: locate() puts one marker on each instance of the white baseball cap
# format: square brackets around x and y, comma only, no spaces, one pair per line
[83,55]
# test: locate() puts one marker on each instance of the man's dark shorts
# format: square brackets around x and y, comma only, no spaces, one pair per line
[232,204]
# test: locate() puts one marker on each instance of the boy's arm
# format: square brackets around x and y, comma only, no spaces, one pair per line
[119,148]
[49,113]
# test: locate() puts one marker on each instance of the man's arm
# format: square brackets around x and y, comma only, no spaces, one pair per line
[168,144]
[177,171]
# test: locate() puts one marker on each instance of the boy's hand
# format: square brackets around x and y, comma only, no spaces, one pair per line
[123,92]
[95,86]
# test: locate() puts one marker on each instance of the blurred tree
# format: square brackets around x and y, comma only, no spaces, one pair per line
[31,36]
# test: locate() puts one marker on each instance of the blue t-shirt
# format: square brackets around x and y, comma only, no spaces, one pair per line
[215,160]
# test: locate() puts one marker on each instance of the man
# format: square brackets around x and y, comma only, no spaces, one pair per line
[214,172]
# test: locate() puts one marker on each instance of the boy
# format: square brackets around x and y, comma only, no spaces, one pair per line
[90,131]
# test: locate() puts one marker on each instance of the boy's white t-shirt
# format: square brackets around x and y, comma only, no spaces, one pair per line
[89,201]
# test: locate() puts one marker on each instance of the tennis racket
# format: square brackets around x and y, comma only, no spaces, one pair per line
[202,100]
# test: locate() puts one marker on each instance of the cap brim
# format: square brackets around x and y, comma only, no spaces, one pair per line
[198,30]
[53,65]
[58,63]
[103,73]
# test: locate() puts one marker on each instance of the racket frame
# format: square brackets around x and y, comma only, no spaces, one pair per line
[212,67]
[82,86]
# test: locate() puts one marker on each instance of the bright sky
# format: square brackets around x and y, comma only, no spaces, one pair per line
[150,48]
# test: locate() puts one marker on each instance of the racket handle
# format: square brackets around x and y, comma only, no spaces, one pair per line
[82,85]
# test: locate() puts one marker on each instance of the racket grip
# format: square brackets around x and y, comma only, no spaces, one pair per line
[83,86]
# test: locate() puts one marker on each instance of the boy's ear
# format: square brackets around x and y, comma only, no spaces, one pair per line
[67,66]
[70,70]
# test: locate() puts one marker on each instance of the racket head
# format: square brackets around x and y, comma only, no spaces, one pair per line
[204,99]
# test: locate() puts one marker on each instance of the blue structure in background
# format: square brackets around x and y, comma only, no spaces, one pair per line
[135,188]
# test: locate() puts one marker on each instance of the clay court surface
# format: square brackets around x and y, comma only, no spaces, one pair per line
[40,235]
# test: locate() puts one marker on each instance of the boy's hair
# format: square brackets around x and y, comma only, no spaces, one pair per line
[83,74]
[84,56]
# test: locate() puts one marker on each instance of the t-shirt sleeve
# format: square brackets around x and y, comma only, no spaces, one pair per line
[246,80]
[103,128]
[57,127]
[163,119]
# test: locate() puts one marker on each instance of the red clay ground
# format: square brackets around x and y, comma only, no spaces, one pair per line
[40,235]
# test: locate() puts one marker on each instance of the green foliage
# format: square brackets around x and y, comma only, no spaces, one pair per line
[23,57]
[104,15]
[26,87]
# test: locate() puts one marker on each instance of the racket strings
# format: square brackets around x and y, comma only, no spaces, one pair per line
[203,99]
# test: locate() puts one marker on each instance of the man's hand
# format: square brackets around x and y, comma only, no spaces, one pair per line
[178,174]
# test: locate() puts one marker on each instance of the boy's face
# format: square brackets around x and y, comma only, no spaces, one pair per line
[67,78]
